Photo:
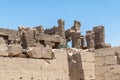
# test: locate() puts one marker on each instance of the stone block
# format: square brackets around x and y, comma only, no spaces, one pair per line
[89,75]
[99,71]
[3,50]
[115,78]
[116,70]
[86,66]
[107,65]
[105,71]
[108,78]
[14,50]
[84,56]
[99,61]
[87,56]
[105,52]
[40,52]
[110,60]
[99,77]
[2,41]
[98,53]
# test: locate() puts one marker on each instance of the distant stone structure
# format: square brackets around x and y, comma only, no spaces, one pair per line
[42,54]
[56,36]
[99,37]
[74,34]
[8,35]
[59,30]
[96,38]
[90,39]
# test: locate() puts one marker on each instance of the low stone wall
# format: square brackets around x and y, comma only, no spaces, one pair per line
[107,62]
[35,69]
[104,64]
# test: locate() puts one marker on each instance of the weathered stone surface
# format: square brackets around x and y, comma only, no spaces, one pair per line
[52,39]
[40,52]
[31,36]
[90,39]
[51,63]
[74,34]
[81,65]
[35,69]
[8,34]
[3,50]
[2,41]
[14,50]
[99,36]
[59,30]
[107,64]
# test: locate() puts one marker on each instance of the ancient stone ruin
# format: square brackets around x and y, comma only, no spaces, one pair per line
[43,54]
[54,38]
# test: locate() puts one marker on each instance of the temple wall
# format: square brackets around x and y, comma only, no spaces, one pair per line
[35,69]
[107,62]
[104,64]
[82,66]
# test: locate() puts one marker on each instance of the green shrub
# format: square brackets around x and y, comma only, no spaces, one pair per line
[63,46]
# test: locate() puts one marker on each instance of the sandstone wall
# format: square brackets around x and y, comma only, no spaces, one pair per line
[107,62]
[81,65]
[35,69]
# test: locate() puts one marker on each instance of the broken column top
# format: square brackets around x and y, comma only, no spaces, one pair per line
[39,28]
[90,32]
[77,23]
[61,22]
[76,26]
[98,27]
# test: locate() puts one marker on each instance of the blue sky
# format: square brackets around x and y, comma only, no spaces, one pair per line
[90,13]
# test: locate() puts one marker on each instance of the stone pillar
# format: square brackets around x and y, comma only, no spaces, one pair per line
[76,26]
[82,41]
[75,34]
[99,36]
[41,29]
[90,39]
[102,34]
[61,27]
[92,44]
[76,42]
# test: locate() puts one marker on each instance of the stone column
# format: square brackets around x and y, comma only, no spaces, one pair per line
[61,27]
[41,29]
[92,45]
[82,42]
[76,42]
[90,39]
[99,36]
[102,34]
[76,26]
